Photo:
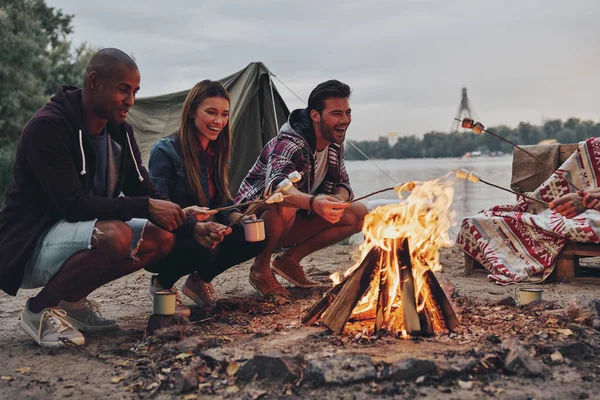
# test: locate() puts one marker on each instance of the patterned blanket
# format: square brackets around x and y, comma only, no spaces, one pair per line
[519,243]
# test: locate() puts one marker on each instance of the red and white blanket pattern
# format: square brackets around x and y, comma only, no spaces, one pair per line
[520,243]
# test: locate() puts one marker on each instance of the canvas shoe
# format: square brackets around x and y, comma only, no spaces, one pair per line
[49,328]
[180,308]
[201,292]
[85,316]
[292,272]
[270,288]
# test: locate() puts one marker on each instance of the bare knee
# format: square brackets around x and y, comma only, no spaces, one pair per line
[285,215]
[357,212]
[157,240]
[113,238]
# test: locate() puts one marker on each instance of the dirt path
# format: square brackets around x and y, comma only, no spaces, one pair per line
[127,364]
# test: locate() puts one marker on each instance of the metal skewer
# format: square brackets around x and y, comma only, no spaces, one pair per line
[404,187]
[478,128]
[464,174]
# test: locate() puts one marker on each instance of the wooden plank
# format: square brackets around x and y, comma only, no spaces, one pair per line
[564,270]
[412,323]
[444,303]
[581,249]
[338,312]
[472,265]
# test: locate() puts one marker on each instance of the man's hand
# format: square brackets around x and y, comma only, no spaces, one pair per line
[329,208]
[210,234]
[165,214]
[569,206]
[200,213]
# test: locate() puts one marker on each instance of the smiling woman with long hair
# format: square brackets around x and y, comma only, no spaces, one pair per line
[191,168]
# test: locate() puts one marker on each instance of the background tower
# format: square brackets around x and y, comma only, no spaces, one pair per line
[464,110]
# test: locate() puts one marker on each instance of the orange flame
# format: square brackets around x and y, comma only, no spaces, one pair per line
[424,218]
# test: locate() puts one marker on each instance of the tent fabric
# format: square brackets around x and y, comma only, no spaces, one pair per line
[253,120]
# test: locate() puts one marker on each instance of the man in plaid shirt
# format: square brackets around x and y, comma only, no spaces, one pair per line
[315,213]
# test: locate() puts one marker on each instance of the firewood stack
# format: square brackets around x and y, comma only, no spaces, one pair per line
[400,298]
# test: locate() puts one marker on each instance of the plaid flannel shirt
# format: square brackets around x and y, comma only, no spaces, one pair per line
[290,151]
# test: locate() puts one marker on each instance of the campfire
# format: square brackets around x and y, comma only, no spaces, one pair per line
[393,287]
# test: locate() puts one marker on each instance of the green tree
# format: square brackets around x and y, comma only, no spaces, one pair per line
[36,58]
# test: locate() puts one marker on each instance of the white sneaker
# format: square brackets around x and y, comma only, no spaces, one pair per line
[180,308]
[85,316]
[49,328]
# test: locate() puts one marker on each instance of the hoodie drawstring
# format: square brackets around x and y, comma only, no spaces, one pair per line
[140,178]
[83,171]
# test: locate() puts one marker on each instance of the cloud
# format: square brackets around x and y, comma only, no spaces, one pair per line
[405,60]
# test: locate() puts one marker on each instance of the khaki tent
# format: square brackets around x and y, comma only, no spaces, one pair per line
[255,117]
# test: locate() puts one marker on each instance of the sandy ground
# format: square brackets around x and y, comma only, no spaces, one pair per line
[128,364]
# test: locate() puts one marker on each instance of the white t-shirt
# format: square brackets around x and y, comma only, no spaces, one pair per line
[320,168]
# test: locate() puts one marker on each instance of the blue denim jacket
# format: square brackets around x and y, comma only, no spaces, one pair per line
[169,176]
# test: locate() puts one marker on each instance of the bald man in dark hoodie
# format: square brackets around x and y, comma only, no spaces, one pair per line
[64,225]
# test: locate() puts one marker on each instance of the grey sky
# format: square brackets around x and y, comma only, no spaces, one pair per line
[405,60]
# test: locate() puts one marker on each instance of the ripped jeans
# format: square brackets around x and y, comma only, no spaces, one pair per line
[64,239]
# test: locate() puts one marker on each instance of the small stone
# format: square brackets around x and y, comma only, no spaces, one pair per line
[460,367]
[467,385]
[274,366]
[493,339]
[556,357]
[573,349]
[507,301]
[170,324]
[420,379]
[341,370]
[520,361]
[411,369]
[186,380]
[188,344]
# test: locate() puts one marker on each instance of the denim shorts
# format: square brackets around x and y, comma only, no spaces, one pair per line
[63,240]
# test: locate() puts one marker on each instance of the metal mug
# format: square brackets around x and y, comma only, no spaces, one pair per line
[164,302]
[254,231]
[527,295]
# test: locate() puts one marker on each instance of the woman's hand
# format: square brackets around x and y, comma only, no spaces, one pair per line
[235,215]
[210,234]
[200,213]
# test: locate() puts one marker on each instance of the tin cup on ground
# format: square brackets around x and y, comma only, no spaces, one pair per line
[164,302]
[527,295]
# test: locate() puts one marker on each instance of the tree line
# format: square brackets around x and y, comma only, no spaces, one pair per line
[457,144]
[36,56]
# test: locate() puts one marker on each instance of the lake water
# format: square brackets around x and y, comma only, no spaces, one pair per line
[469,198]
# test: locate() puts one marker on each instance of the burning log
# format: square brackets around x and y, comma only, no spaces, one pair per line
[412,324]
[338,312]
[393,286]
[336,307]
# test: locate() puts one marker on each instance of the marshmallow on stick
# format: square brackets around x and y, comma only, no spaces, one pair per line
[475,177]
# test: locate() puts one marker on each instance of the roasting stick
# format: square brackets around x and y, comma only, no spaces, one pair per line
[475,177]
[248,203]
[478,128]
[401,187]
[276,197]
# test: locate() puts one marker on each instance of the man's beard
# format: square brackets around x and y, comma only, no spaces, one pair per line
[328,132]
